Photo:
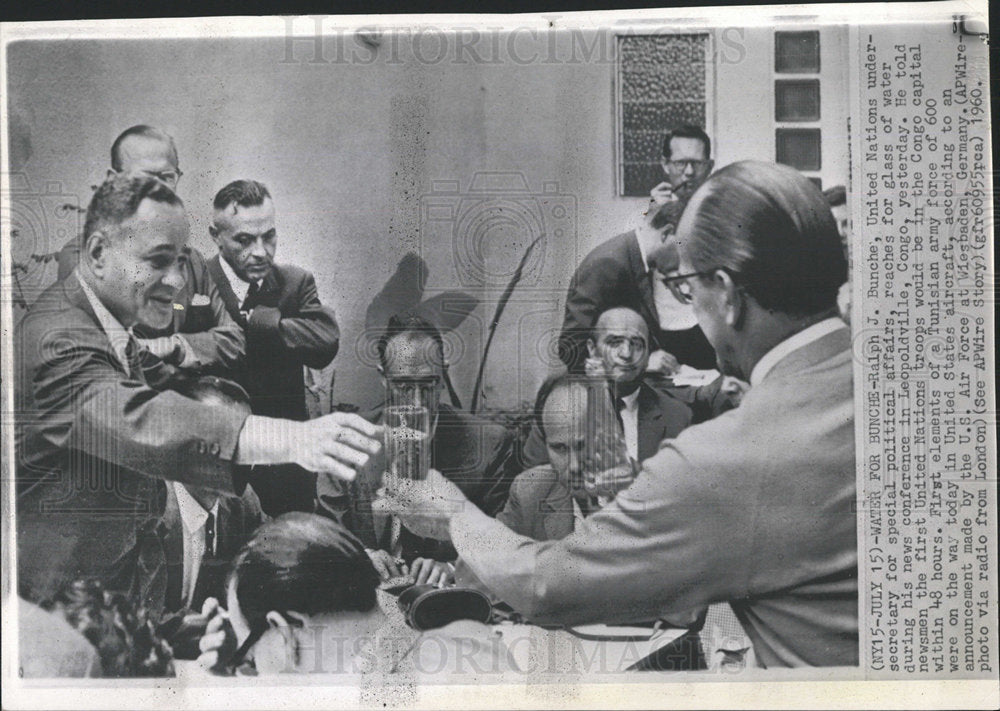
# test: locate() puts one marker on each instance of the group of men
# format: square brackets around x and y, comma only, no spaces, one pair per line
[163,416]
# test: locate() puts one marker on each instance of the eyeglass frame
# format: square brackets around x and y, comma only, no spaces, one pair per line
[682,164]
[669,282]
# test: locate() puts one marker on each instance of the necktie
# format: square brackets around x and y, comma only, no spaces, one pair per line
[210,535]
[250,301]
[619,406]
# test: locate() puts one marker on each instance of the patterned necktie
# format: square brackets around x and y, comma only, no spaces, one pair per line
[210,535]
[619,406]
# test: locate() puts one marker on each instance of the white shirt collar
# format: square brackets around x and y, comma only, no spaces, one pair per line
[642,247]
[631,400]
[193,514]
[793,343]
[117,334]
[240,288]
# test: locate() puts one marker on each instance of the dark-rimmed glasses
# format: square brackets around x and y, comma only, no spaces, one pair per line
[679,286]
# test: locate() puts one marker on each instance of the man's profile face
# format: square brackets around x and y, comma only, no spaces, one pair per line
[688,166]
[141,265]
[840,216]
[247,238]
[622,344]
[565,422]
[153,157]
[414,371]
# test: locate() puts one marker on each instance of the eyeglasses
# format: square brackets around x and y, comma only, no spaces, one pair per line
[682,165]
[170,177]
[679,286]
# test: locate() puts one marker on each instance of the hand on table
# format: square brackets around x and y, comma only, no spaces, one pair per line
[427,571]
[424,507]
[385,564]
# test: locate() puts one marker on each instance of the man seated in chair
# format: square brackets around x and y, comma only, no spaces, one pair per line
[180,558]
[475,453]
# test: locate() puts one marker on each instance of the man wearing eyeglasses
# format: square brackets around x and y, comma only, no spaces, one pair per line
[201,336]
[620,272]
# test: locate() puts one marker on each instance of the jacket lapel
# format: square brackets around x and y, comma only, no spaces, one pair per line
[225,289]
[650,422]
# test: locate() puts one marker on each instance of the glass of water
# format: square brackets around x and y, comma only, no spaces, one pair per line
[407,442]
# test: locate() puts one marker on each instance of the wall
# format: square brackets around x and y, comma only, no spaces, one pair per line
[359,155]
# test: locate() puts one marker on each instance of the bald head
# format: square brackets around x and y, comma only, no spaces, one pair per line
[621,341]
[146,150]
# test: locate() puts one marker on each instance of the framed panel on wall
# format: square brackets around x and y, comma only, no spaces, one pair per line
[662,81]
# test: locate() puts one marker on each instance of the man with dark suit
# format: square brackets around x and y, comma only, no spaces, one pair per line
[287,327]
[649,408]
[619,272]
[475,453]
[201,336]
[94,439]
[755,507]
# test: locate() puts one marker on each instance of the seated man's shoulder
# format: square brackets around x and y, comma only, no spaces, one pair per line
[534,482]
[291,273]
[608,253]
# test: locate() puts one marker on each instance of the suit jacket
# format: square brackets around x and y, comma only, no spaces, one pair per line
[151,571]
[92,442]
[615,274]
[663,413]
[288,329]
[199,314]
[755,507]
[475,453]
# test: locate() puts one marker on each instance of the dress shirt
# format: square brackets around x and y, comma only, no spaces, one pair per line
[630,423]
[793,343]
[117,334]
[673,315]
[193,519]
[240,287]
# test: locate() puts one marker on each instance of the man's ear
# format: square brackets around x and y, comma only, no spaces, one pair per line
[214,232]
[735,300]
[711,167]
[591,348]
[95,248]
[111,173]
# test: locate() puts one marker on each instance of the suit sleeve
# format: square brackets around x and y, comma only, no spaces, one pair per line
[659,548]
[90,406]
[311,334]
[222,346]
[591,290]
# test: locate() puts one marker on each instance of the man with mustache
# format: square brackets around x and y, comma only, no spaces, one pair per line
[287,327]
[95,439]
[619,272]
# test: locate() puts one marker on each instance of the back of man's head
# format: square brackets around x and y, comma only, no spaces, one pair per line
[771,228]
[303,563]
[687,131]
[118,199]
[244,193]
[836,196]
[140,132]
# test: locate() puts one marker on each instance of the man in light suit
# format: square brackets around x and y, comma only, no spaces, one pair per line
[201,336]
[755,507]
[287,327]
[94,439]
[619,272]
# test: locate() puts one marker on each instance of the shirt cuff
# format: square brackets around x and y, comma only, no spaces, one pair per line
[189,359]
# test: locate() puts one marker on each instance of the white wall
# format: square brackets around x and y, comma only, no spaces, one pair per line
[351,151]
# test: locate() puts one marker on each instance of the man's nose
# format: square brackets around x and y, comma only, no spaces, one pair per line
[625,352]
[175,276]
[257,249]
[689,169]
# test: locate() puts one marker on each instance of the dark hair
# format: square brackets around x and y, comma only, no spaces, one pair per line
[771,229]
[303,563]
[214,390]
[118,198]
[143,131]
[687,131]
[245,193]
[125,637]
[412,327]
[835,196]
